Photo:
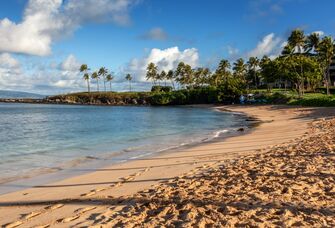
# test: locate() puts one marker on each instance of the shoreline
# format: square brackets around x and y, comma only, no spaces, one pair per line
[121,180]
[45,176]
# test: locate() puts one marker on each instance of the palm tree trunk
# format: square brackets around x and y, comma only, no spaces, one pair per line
[255,80]
[104,83]
[130,85]
[110,86]
[98,84]
[172,84]
[328,81]
[88,86]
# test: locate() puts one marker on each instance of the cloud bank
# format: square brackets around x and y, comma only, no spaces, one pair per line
[270,45]
[165,59]
[45,21]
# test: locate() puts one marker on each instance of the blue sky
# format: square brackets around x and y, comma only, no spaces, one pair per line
[43,41]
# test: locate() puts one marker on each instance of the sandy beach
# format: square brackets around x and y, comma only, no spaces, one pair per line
[280,173]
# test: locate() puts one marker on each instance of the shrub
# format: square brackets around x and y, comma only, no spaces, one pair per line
[316,101]
[165,89]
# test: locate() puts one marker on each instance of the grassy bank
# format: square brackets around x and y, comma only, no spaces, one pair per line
[204,95]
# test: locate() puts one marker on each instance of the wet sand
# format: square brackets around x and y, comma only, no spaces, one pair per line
[280,173]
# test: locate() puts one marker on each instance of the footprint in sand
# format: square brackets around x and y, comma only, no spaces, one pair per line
[83,210]
[54,207]
[43,226]
[32,215]
[13,224]
[69,219]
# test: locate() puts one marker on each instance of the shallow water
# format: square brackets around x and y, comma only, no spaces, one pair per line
[37,139]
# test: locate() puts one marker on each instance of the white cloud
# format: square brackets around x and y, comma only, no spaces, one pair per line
[39,77]
[70,64]
[232,50]
[155,34]
[7,61]
[269,45]
[47,20]
[320,33]
[165,59]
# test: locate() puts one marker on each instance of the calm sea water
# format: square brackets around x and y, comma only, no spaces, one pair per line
[42,138]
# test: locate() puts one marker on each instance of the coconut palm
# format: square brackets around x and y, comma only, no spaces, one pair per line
[96,76]
[129,78]
[240,68]
[297,40]
[109,78]
[326,51]
[170,76]
[288,50]
[83,69]
[184,74]
[103,72]
[87,79]
[152,73]
[162,77]
[312,42]
[201,76]
[222,72]
[253,64]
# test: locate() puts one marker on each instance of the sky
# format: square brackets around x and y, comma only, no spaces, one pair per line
[43,42]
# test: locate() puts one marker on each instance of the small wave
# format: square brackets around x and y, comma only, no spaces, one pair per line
[220,132]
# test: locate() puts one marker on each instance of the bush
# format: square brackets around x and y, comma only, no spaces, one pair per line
[204,95]
[165,89]
[277,98]
[324,90]
[315,100]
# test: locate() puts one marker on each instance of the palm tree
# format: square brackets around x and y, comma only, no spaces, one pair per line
[170,76]
[184,74]
[222,72]
[162,77]
[312,42]
[83,69]
[201,76]
[87,78]
[109,78]
[253,63]
[96,76]
[129,78]
[240,68]
[288,50]
[102,72]
[152,73]
[326,51]
[297,40]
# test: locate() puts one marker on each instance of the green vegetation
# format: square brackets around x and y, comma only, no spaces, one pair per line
[302,68]
[314,99]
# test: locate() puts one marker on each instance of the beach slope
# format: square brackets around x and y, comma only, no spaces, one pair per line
[279,173]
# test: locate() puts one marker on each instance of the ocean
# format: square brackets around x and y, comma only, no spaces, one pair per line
[37,139]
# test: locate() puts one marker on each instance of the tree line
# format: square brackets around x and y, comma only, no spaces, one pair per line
[304,64]
[104,74]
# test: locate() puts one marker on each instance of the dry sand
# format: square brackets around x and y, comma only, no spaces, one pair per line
[243,180]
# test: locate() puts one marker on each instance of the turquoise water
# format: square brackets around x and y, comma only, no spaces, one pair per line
[37,139]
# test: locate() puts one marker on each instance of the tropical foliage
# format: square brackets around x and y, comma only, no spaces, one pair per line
[303,66]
